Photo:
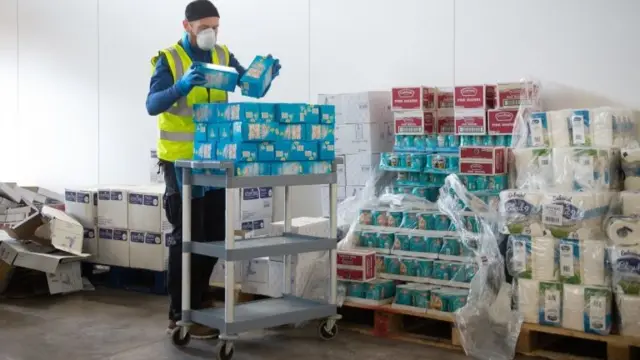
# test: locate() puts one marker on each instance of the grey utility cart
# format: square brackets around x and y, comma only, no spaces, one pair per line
[235,319]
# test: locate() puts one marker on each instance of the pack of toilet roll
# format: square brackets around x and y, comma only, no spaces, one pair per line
[625,264]
[599,127]
[630,157]
[532,257]
[521,212]
[570,169]
[585,308]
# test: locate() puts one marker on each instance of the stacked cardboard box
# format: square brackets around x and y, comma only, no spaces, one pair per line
[364,129]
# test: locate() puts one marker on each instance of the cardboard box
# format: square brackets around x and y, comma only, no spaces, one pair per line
[501,121]
[13,216]
[9,191]
[479,160]
[113,207]
[471,122]
[309,226]
[254,204]
[113,246]
[414,122]
[38,197]
[362,107]
[256,228]
[145,210]
[413,98]
[445,98]
[360,168]
[470,97]
[217,76]
[356,265]
[257,78]
[512,95]
[67,279]
[445,121]
[146,250]
[90,240]
[217,275]
[341,172]
[363,137]
[82,205]
[324,198]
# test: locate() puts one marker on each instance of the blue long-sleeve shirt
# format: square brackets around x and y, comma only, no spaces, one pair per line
[163,92]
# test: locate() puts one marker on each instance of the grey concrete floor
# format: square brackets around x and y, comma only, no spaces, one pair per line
[118,325]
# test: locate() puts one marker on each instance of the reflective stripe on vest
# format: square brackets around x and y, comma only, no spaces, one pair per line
[176,136]
[182,108]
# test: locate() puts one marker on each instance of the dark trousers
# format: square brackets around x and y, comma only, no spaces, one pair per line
[207,224]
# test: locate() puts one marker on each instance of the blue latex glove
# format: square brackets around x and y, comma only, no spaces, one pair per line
[275,70]
[192,78]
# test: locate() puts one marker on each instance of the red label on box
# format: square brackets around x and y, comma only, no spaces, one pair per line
[501,121]
[470,124]
[414,123]
[350,259]
[445,99]
[476,168]
[491,91]
[509,98]
[429,123]
[476,153]
[470,97]
[446,125]
[408,98]
[428,98]
[351,274]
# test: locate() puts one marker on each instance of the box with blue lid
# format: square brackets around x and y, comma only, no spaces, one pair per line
[247,152]
[256,80]
[327,150]
[205,112]
[327,114]
[266,151]
[267,112]
[319,132]
[291,132]
[245,112]
[252,169]
[224,131]
[297,114]
[288,168]
[201,133]
[255,131]
[204,150]
[296,150]
[218,77]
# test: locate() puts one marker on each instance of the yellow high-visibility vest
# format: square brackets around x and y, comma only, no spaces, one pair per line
[176,124]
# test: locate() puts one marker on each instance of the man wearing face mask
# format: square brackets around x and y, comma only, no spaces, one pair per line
[175,87]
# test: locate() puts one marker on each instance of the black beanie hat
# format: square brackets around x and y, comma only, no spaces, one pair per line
[200,9]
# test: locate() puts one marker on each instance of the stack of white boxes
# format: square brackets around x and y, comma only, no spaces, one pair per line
[364,129]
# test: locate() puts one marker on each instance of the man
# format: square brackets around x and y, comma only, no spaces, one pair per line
[175,87]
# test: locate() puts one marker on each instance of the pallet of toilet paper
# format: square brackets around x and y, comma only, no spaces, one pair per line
[126,226]
[267,139]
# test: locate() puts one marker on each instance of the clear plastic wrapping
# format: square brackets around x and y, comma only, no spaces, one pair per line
[489,327]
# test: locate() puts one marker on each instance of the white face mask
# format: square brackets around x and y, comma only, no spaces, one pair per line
[206,39]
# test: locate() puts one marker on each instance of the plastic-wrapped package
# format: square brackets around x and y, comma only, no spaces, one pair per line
[488,326]
[631,166]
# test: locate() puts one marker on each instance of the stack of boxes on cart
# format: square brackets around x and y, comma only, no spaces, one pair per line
[567,166]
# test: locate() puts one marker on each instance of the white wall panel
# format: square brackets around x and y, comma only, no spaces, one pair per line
[584,51]
[58,92]
[9,88]
[360,45]
[129,38]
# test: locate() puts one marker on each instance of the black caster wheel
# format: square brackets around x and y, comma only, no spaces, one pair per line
[327,334]
[224,351]
[178,340]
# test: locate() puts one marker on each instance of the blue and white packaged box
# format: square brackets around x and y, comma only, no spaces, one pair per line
[201,134]
[327,150]
[245,112]
[204,150]
[317,167]
[212,132]
[290,132]
[296,150]
[247,152]
[256,80]
[267,112]
[297,114]
[218,77]
[252,169]
[255,131]
[327,114]
[225,131]
[266,151]
[319,132]
[288,168]
[205,112]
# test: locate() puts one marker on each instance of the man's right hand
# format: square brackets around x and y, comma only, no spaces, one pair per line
[190,79]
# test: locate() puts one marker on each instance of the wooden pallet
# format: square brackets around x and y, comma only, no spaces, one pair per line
[405,325]
[558,343]
[535,340]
